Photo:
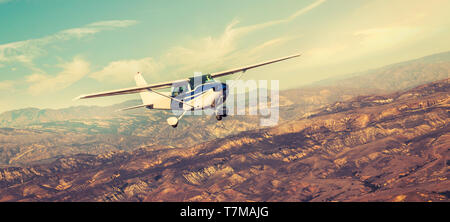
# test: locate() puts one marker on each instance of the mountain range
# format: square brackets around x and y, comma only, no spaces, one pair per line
[392,147]
[380,135]
[32,134]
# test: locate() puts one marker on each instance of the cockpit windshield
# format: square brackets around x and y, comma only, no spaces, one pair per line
[197,80]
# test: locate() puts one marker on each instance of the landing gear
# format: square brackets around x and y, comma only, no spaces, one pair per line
[221,113]
[173,121]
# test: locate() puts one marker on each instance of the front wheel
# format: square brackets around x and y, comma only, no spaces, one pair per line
[173,121]
[218,117]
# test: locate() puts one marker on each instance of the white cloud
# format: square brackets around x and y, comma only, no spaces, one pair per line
[6,85]
[203,51]
[398,26]
[36,77]
[385,37]
[123,70]
[113,23]
[208,53]
[372,35]
[247,29]
[27,50]
[71,73]
[269,45]
[93,28]
[211,52]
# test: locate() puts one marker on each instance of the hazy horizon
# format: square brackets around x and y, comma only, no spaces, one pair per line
[130,98]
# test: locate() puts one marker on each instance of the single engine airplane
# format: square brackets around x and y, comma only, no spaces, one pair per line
[198,92]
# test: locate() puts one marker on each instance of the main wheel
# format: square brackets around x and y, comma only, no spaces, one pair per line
[225,112]
[222,112]
[218,117]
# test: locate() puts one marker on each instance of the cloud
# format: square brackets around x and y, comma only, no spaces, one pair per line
[114,23]
[6,85]
[385,37]
[203,51]
[26,51]
[123,70]
[209,53]
[374,34]
[398,26]
[93,28]
[251,28]
[71,73]
[271,44]
[350,44]
[36,77]
[403,12]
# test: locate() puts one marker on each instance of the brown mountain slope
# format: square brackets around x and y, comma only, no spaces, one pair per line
[44,138]
[377,148]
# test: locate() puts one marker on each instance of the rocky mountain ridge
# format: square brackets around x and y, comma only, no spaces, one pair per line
[392,147]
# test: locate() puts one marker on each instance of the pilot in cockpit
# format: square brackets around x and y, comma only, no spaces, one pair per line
[178,90]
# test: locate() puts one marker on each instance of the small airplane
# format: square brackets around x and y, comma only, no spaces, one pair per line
[198,92]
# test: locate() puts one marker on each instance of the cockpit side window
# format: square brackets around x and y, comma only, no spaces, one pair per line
[179,89]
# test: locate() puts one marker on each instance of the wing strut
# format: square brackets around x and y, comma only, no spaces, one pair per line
[171,98]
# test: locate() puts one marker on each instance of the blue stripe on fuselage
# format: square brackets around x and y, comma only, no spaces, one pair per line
[198,91]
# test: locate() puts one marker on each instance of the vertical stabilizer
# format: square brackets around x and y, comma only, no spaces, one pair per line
[145,96]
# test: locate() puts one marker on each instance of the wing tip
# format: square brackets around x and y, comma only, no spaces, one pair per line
[296,55]
[78,98]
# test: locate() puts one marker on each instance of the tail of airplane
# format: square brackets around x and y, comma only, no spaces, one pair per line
[151,100]
[145,96]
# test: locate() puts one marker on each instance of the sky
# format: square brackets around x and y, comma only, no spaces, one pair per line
[51,51]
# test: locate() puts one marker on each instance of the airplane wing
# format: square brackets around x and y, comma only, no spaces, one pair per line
[169,84]
[132,89]
[243,69]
